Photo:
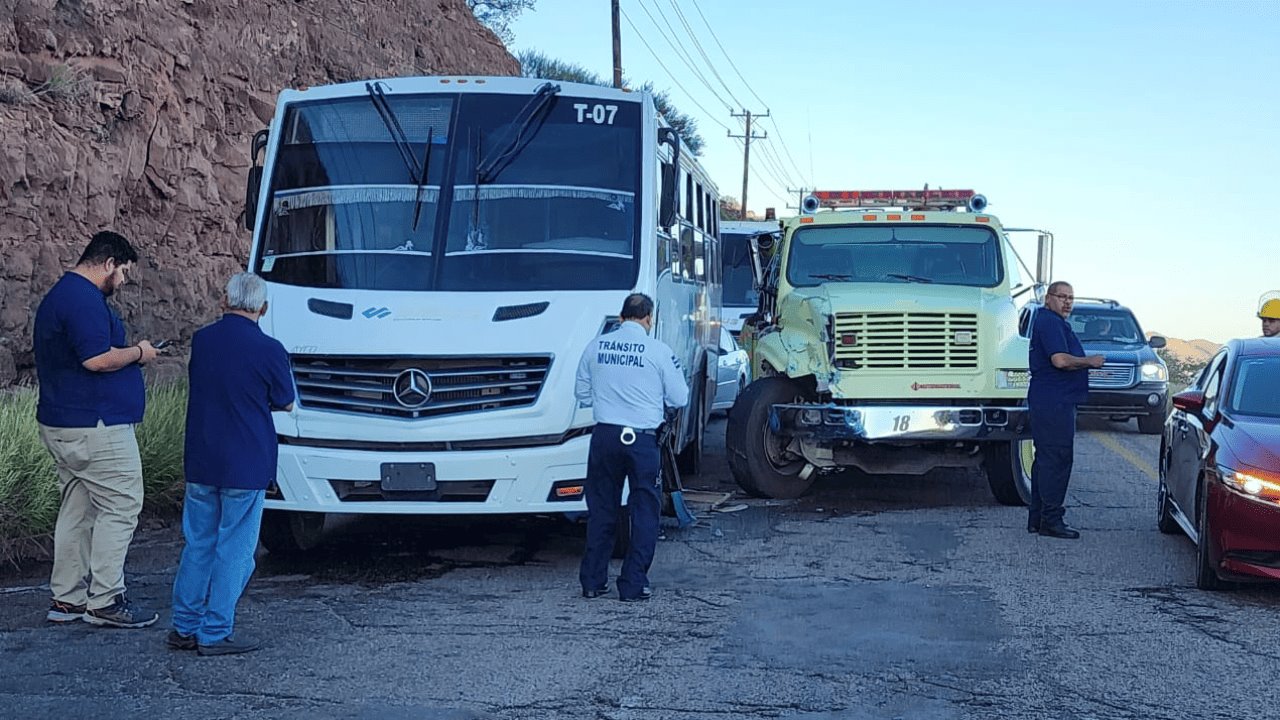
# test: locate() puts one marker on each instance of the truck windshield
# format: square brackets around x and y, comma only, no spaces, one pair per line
[557,212]
[739,286]
[943,254]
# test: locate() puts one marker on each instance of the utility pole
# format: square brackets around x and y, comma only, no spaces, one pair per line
[747,137]
[617,46]
[800,193]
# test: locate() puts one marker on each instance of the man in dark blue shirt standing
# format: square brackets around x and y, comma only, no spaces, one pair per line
[1059,382]
[91,397]
[238,376]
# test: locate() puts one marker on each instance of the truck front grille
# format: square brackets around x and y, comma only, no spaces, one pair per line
[441,386]
[947,341]
[1111,375]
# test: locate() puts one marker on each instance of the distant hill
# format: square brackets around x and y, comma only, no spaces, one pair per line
[1192,351]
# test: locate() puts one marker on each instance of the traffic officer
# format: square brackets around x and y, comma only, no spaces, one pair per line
[1059,382]
[629,379]
[1269,314]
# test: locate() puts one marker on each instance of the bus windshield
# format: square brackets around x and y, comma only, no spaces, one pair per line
[554,207]
[739,285]
[943,254]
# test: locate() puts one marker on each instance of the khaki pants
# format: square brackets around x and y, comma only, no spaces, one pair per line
[100,479]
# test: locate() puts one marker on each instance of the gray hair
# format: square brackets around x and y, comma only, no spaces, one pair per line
[247,292]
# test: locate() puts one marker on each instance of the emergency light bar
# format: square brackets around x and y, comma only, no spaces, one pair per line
[896,198]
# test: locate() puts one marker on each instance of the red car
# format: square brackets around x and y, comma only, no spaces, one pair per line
[1220,465]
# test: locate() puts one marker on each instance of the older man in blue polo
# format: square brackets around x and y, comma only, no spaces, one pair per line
[238,376]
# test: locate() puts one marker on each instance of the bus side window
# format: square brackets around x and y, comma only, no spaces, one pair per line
[688,213]
[702,208]
[699,256]
[686,251]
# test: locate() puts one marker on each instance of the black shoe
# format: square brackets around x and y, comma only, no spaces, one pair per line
[1061,530]
[122,614]
[593,594]
[1033,526]
[229,646]
[60,612]
[645,594]
[178,641]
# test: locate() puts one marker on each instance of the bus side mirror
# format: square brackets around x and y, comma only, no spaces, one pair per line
[253,184]
[670,178]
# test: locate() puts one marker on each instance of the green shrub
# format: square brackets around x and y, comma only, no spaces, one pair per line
[28,481]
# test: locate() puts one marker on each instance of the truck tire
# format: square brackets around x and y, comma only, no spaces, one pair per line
[291,533]
[757,459]
[1152,424]
[1008,467]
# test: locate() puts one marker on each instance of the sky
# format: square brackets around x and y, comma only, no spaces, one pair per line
[1144,135]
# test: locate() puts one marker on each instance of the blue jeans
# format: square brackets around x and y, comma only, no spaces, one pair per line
[609,464]
[221,529]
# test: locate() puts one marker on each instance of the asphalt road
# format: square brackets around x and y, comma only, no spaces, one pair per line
[884,597]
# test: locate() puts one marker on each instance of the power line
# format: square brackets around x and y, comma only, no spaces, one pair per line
[709,115]
[777,131]
[680,52]
[726,55]
[769,153]
[701,51]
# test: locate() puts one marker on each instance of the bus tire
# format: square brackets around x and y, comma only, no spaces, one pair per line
[1008,468]
[757,458]
[291,533]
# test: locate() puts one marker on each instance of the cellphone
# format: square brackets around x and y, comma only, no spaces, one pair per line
[160,345]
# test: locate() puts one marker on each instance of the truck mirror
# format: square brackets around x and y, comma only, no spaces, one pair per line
[1157,342]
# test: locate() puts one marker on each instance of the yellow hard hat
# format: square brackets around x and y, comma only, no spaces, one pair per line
[1270,309]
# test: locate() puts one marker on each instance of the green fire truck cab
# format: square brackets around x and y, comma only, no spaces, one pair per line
[886,339]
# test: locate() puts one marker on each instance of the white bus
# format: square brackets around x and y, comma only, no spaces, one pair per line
[439,251]
[739,294]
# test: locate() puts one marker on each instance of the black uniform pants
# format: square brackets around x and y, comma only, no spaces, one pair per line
[1053,429]
[609,464]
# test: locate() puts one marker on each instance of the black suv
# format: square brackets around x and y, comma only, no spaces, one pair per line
[1134,382]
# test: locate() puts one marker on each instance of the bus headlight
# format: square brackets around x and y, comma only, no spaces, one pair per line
[1013,379]
[1154,372]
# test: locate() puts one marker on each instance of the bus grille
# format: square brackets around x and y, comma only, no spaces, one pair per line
[906,340]
[1111,375]
[452,386]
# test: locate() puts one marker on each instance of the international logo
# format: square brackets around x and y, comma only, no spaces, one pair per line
[376,313]
[934,386]
[412,388]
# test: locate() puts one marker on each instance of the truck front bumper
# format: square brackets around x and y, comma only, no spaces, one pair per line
[829,423]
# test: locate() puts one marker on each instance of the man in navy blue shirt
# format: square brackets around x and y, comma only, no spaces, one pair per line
[91,397]
[238,376]
[1059,382]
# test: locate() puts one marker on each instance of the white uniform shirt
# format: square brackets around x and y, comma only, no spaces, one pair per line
[628,378]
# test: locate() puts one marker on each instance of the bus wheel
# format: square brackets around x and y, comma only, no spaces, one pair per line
[759,459]
[291,533]
[1008,466]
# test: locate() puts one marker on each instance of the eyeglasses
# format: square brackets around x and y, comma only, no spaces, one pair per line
[1063,297]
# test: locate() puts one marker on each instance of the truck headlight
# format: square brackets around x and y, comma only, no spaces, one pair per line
[1013,379]
[1154,371]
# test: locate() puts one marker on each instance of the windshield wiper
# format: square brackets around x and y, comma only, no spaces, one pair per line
[418,173]
[908,278]
[528,120]
[830,276]
[388,116]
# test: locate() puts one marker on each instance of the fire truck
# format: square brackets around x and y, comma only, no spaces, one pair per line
[886,339]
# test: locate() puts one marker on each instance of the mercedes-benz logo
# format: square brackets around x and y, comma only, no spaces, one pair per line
[412,388]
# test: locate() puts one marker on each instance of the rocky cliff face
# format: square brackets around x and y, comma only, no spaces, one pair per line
[136,116]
